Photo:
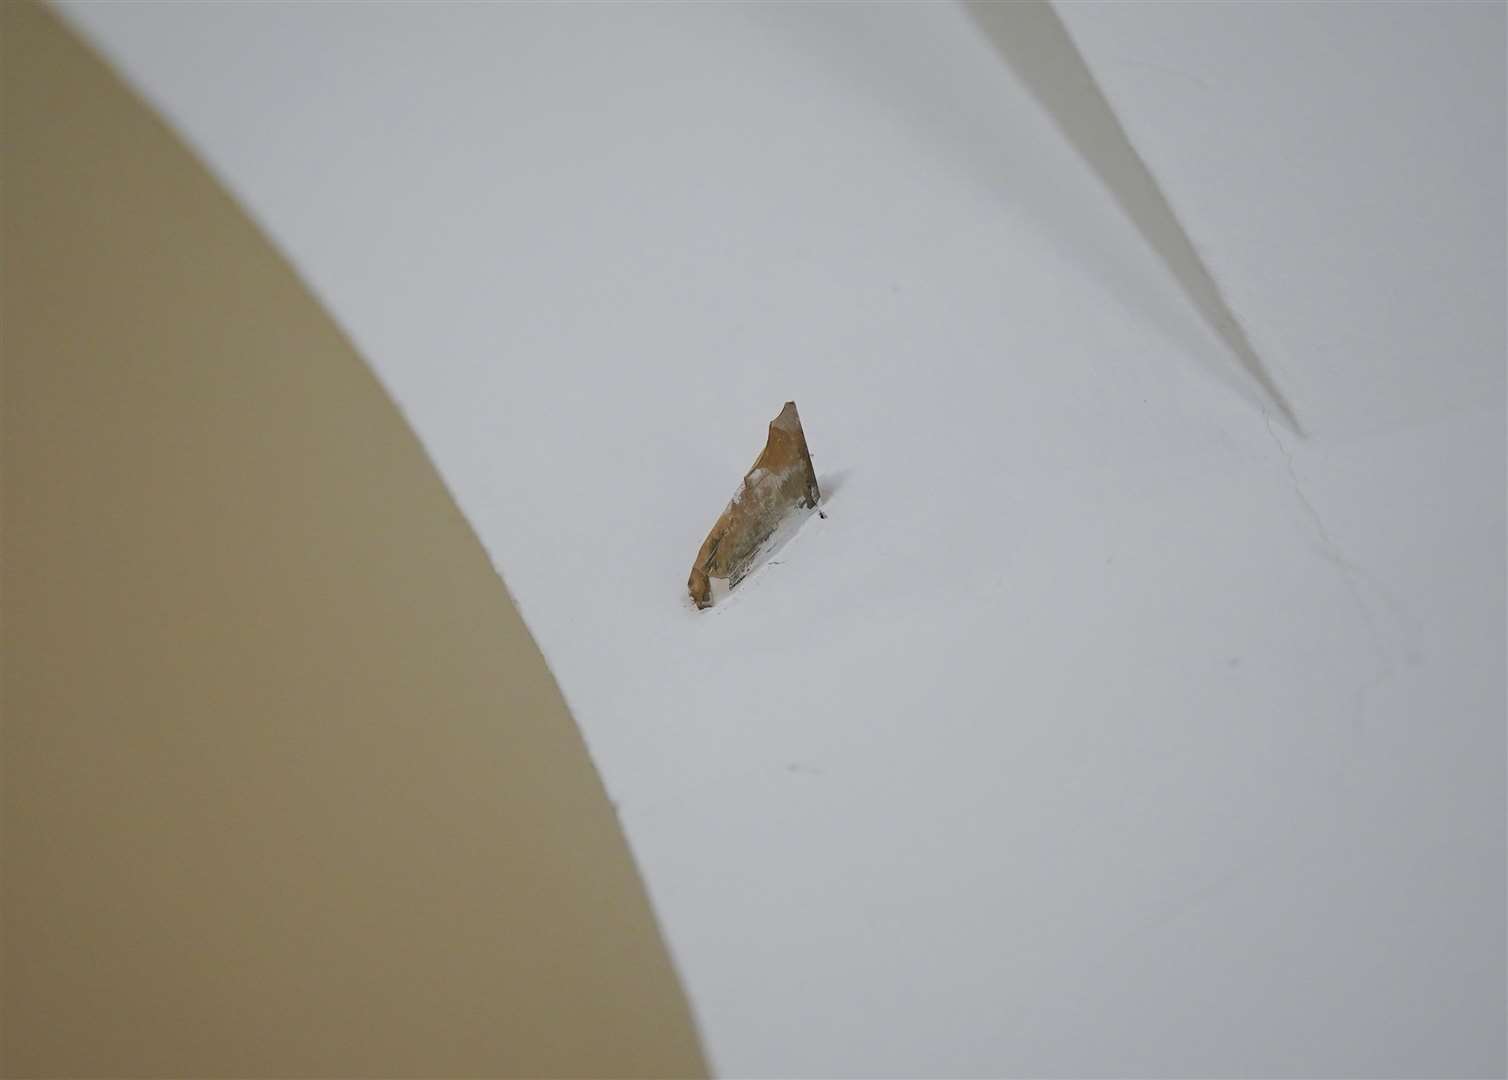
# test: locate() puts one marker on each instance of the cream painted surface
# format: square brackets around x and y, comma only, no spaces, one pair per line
[287,787]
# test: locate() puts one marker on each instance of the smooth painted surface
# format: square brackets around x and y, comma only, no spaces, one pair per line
[1341,168]
[287,788]
[1103,728]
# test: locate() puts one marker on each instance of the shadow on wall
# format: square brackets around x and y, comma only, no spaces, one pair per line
[1036,45]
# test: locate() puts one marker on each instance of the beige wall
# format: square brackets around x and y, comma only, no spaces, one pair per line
[288,789]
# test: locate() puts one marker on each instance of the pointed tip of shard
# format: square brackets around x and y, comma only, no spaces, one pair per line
[781,482]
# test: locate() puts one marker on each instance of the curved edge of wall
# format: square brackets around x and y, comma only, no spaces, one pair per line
[287,787]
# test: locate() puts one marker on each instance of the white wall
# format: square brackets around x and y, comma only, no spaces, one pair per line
[1104,726]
